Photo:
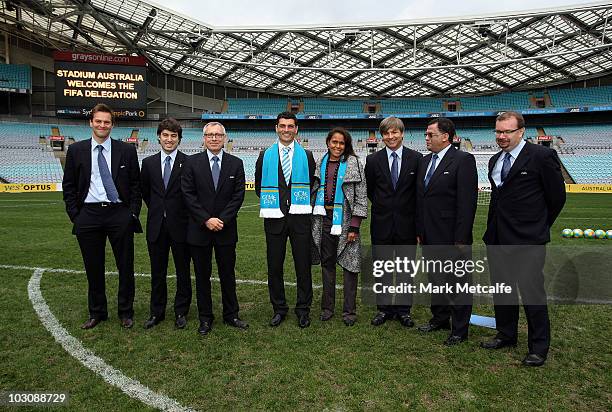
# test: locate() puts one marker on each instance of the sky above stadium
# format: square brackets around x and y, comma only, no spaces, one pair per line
[269,12]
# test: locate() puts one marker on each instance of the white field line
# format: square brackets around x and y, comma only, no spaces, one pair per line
[75,348]
[582,301]
[148,275]
[28,205]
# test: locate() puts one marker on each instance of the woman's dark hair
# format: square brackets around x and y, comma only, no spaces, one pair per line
[348,141]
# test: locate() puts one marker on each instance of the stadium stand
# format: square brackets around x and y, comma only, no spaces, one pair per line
[503,101]
[589,166]
[410,106]
[256,106]
[591,96]
[15,77]
[327,106]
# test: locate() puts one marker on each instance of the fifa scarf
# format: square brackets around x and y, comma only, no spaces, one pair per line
[319,208]
[269,200]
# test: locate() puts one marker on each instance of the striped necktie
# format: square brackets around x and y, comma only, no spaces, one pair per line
[286,164]
[431,170]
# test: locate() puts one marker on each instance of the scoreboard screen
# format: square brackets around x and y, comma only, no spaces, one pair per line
[83,80]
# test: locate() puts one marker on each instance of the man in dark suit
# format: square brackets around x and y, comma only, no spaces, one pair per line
[391,175]
[213,188]
[296,227]
[167,224]
[102,194]
[528,193]
[447,195]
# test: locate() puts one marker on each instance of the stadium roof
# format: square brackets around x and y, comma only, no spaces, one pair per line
[466,55]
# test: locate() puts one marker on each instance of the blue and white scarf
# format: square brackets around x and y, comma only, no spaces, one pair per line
[319,208]
[269,199]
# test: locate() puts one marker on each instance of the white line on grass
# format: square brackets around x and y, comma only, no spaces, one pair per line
[260,282]
[28,205]
[147,275]
[75,348]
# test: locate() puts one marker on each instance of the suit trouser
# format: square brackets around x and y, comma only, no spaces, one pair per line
[329,252]
[454,307]
[276,248]
[400,304]
[521,267]
[93,225]
[158,254]
[225,256]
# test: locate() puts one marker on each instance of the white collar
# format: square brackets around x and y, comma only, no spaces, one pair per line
[106,145]
[172,155]
[398,151]
[211,155]
[517,150]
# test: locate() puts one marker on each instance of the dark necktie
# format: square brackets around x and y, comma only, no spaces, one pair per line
[394,174]
[505,167]
[215,171]
[167,171]
[432,169]
[107,179]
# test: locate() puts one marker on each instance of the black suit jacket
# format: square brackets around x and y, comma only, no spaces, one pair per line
[393,211]
[204,202]
[524,208]
[447,207]
[160,200]
[124,169]
[300,223]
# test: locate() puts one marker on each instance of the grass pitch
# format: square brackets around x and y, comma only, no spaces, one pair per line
[327,366]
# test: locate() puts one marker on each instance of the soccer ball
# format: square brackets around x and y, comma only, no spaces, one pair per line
[566,233]
[609,234]
[578,233]
[600,234]
[589,234]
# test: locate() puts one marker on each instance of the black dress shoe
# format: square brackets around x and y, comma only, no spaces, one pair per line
[91,323]
[127,323]
[379,319]
[454,340]
[152,321]
[180,322]
[533,359]
[432,327]
[204,328]
[304,321]
[277,319]
[325,316]
[349,322]
[406,321]
[237,323]
[497,343]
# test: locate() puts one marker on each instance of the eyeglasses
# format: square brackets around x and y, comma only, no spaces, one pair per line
[430,135]
[506,132]
[214,135]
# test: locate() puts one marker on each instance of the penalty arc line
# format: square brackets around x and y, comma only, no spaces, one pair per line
[87,358]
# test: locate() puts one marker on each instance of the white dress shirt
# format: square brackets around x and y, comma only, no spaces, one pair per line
[210,158]
[97,193]
[280,152]
[399,158]
[162,159]
[496,172]
[440,154]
